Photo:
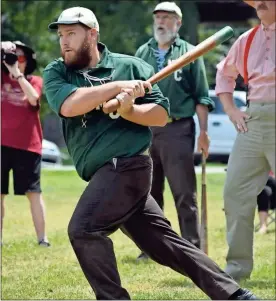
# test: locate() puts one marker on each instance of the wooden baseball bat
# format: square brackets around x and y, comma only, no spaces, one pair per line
[204,221]
[203,47]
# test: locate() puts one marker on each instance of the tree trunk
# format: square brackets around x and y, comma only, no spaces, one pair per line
[190,21]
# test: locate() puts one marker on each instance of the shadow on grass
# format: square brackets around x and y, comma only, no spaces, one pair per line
[177,283]
[261,284]
[185,281]
[269,231]
[133,260]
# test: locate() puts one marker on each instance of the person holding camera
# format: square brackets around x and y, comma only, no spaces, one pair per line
[21,143]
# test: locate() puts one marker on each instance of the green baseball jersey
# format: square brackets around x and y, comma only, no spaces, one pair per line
[187,86]
[95,138]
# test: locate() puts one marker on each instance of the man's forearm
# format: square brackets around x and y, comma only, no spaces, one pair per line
[147,115]
[227,101]
[202,114]
[84,100]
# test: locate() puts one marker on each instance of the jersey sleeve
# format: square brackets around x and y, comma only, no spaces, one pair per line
[57,88]
[200,84]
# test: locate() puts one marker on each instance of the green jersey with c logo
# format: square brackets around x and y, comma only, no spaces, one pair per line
[187,86]
[95,138]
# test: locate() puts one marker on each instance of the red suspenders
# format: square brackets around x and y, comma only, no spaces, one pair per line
[246,52]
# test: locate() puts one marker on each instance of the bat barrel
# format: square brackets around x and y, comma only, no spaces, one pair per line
[219,37]
[223,35]
[204,222]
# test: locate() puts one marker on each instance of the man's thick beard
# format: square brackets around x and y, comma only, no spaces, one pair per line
[82,57]
[165,38]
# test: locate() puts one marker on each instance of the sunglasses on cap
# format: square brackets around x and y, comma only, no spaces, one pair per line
[21,58]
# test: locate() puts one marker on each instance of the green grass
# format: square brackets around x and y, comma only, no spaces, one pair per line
[31,272]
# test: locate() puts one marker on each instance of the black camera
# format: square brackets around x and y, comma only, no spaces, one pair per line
[9,58]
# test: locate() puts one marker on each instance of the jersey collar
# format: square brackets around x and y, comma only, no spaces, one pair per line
[105,60]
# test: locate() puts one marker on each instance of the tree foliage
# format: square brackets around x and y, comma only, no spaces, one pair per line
[124,26]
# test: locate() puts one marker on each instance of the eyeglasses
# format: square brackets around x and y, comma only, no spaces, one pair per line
[21,58]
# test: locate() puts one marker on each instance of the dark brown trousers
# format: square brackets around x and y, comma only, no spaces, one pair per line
[118,197]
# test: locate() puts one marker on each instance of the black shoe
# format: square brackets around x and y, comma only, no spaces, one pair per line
[143,256]
[243,294]
[44,243]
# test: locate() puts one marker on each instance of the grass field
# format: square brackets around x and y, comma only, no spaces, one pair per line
[31,272]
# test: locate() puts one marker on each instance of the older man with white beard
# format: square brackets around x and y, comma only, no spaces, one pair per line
[172,147]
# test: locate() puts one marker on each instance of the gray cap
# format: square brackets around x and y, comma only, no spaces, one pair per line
[75,15]
[170,7]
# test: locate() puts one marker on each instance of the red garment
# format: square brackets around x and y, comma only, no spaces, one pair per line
[20,122]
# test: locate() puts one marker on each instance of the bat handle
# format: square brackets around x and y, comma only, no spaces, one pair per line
[113,105]
[203,166]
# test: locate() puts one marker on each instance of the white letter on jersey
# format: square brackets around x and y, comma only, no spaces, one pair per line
[177,75]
